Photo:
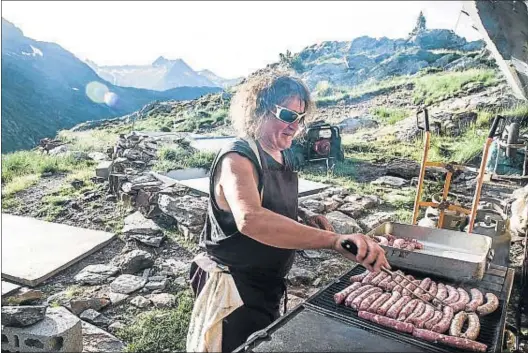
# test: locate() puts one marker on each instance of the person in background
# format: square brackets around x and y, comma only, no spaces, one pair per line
[252,229]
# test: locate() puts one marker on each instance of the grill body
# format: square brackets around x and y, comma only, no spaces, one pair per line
[319,325]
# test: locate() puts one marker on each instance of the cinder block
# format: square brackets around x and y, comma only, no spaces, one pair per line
[60,331]
[103,169]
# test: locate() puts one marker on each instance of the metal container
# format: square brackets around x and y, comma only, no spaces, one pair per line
[456,255]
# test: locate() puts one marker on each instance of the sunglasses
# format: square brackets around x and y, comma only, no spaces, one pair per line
[288,116]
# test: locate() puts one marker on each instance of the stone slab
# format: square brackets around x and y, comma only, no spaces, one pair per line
[306,187]
[34,250]
[8,287]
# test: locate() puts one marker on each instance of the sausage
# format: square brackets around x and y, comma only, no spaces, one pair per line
[463,299]
[452,295]
[443,325]
[382,240]
[426,316]
[455,329]
[410,287]
[401,283]
[436,318]
[368,278]
[383,284]
[355,293]
[341,296]
[492,303]
[420,307]
[463,343]
[409,245]
[357,301]
[397,279]
[408,309]
[391,238]
[431,292]
[473,329]
[442,291]
[387,322]
[392,300]
[397,307]
[422,288]
[380,277]
[477,299]
[360,277]
[367,302]
[457,342]
[379,302]
[398,243]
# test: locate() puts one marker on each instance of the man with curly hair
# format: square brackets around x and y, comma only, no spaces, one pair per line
[251,231]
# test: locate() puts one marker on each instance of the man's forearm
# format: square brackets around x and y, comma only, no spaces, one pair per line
[276,230]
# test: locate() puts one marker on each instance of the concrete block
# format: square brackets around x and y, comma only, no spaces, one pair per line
[103,169]
[60,331]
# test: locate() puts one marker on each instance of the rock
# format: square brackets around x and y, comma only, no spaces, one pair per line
[96,318]
[299,276]
[133,261]
[126,284]
[116,298]
[22,296]
[140,302]
[96,340]
[153,285]
[404,168]
[390,181]
[23,315]
[116,326]
[63,149]
[351,125]
[342,223]
[163,300]
[313,205]
[80,155]
[180,281]
[188,211]
[95,274]
[136,223]
[150,240]
[330,205]
[80,305]
[97,156]
[334,267]
[437,39]
[176,267]
[61,298]
[111,198]
[374,220]
[293,301]
[317,282]
[146,273]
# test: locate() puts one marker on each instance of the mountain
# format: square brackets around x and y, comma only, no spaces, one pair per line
[219,81]
[161,75]
[45,89]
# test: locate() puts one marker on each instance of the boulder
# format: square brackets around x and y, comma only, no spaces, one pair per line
[126,284]
[95,274]
[342,223]
[140,302]
[163,300]
[23,315]
[136,223]
[299,276]
[80,305]
[372,221]
[96,318]
[390,181]
[133,261]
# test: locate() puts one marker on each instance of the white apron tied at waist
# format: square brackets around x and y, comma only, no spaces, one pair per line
[218,298]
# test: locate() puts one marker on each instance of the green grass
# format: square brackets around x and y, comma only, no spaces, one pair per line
[434,88]
[172,158]
[52,206]
[390,115]
[98,140]
[159,330]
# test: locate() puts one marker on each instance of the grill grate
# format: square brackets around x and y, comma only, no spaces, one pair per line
[492,326]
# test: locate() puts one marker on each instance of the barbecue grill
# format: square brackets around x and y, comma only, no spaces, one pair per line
[319,325]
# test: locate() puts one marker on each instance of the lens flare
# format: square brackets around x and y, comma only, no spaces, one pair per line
[110,98]
[96,91]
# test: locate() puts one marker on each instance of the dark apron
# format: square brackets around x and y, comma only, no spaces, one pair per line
[258,270]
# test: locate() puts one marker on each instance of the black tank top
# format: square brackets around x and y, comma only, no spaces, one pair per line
[222,239]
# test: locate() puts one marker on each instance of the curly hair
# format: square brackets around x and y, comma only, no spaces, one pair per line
[257,96]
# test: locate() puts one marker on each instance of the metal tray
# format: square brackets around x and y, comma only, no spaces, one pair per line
[447,253]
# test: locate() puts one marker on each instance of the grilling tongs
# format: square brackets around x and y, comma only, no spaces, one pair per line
[351,247]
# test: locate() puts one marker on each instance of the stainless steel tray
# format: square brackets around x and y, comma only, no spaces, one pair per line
[456,255]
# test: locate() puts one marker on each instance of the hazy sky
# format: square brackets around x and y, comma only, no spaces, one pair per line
[230,38]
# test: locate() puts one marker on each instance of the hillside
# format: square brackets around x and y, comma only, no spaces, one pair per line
[44,90]
[161,75]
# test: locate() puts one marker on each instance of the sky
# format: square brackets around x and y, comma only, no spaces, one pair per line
[230,38]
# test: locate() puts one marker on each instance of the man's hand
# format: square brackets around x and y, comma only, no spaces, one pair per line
[320,222]
[369,254]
